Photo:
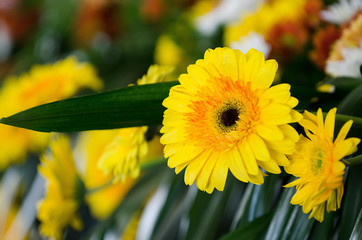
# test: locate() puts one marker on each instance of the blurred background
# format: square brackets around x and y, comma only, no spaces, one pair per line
[109,44]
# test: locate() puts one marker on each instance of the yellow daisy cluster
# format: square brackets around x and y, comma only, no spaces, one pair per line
[118,153]
[317,164]
[40,85]
[59,207]
[264,19]
[225,115]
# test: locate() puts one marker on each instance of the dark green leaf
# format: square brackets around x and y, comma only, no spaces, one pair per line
[126,107]
[205,216]
[351,202]
[352,104]
[326,229]
[249,230]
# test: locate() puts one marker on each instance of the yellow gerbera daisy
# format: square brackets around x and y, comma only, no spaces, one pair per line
[317,163]
[59,207]
[225,115]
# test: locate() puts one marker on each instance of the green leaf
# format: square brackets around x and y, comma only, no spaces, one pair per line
[352,104]
[249,230]
[326,229]
[351,202]
[260,200]
[205,216]
[126,107]
[357,229]
[179,200]
[289,222]
[131,203]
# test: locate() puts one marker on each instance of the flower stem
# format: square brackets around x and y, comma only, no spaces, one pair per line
[353,161]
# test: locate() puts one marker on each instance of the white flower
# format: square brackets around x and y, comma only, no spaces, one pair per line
[227,11]
[349,66]
[341,12]
[252,40]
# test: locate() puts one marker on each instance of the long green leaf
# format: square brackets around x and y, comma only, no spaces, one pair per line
[126,107]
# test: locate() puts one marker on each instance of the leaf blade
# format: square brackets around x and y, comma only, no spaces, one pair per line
[127,107]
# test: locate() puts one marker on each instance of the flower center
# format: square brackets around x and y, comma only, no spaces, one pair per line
[317,161]
[229,117]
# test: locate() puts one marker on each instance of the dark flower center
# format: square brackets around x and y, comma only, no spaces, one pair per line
[229,117]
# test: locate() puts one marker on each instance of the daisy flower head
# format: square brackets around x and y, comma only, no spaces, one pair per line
[317,164]
[225,115]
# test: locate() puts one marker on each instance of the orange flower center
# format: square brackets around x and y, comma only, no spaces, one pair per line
[223,114]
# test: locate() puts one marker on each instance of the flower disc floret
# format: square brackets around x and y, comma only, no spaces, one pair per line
[224,115]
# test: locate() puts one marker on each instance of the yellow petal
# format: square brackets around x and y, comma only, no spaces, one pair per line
[289,132]
[279,93]
[280,158]
[185,153]
[270,166]
[329,124]
[292,102]
[176,104]
[236,165]
[195,166]
[269,132]
[248,158]
[174,136]
[343,132]
[204,177]
[259,148]
[219,174]
[258,178]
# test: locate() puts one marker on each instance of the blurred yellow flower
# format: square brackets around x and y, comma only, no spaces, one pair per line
[167,52]
[40,85]
[225,115]
[157,73]
[104,195]
[59,207]
[89,149]
[121,156]
[317,163]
